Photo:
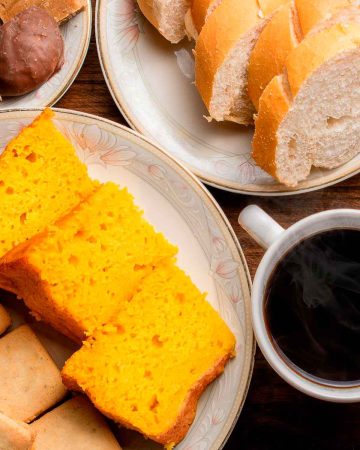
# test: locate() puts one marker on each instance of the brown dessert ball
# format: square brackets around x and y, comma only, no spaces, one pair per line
[31,51]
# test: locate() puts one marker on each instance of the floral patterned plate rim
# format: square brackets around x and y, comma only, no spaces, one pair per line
[178,205]
[152,83]
[77,34]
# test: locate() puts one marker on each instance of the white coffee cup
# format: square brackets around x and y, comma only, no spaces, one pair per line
[278,241]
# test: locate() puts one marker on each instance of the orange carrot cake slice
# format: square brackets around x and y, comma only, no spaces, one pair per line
[148,368]
[79,272]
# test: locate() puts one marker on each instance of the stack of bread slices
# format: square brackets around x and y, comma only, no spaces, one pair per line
[292,68]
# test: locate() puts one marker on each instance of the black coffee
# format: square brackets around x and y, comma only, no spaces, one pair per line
[312,306]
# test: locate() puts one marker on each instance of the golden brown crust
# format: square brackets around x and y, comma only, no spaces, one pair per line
[273,106]
[61,10]
[303,61]
[317,49]
[199,11]
[178,431]
[268,58]
[223,29]
[312,12]
[282,35]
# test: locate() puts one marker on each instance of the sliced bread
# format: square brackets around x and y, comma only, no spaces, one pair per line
[222,56]
[80,271]
[310,115]
[285,31]
[197,15]
[167,16]
[149,367]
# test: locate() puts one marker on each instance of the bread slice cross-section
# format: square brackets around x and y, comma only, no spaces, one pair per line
[167,16]
[286,29]
[222,56]
[310,115]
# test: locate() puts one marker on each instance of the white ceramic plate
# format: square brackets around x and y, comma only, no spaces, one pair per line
[77,33]
[151,82]
[179,206]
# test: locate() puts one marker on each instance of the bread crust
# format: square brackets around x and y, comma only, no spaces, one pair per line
[199,9]
[225,27]
[316,49]
[273,107]
[278,97]
[312,12]
[283,34]
[185,418]
[151,11]
[268,58]
[61,10]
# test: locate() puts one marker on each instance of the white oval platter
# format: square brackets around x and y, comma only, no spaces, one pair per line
[152,83]
[178,205]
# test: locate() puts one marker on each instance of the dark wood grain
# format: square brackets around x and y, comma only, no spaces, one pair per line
[275,416]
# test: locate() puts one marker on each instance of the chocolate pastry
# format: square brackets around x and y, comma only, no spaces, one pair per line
[31,51]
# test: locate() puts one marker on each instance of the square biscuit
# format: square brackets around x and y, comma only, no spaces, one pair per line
[30,381]
[75,425]
[14,435]
[5,321]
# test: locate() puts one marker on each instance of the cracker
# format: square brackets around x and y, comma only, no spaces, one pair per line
[14,435]
[30,381]
[75,425]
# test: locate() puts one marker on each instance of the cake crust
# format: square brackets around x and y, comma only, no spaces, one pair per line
[178,431]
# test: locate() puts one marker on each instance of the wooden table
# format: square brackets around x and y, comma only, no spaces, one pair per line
[275,416]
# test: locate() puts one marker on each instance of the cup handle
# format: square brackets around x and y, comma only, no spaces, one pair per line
[261,227]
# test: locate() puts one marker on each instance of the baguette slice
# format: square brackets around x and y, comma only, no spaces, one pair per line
[167,16]
[316,15]
[14,435]
[222,56]
[286,30]
[310,115]
[61,10]
[197,15]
